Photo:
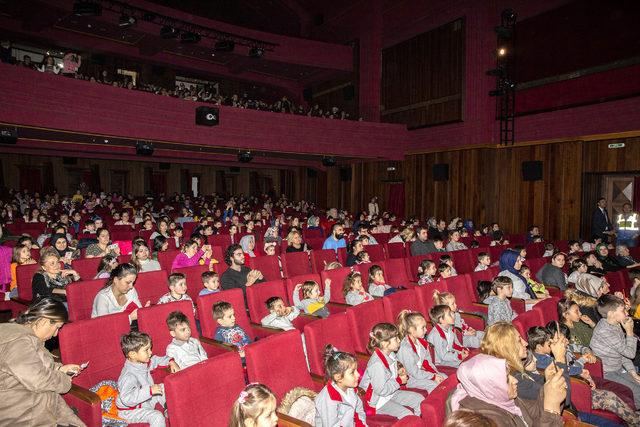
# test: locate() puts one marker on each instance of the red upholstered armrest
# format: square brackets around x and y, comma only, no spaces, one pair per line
[263,331]
[581,394]
[554,291]
[86,404]
[478,307]
[473,320]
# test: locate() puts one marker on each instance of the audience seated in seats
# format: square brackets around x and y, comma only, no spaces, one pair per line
[177,283]
[470,337]
[119,294]
[210,283]
[510,263]
[422,246]
[353,289]
[448,350]
[484,261]
[499,304]
[184,349]
[427,272]
[336,239]
[228,331]
[580,325]
[103,247]
[21,255]
[255,406]
[192,255]
[552,274]
[106,266]
[141,258]
[280,316]
[50,281]
[238,275]
[312,302]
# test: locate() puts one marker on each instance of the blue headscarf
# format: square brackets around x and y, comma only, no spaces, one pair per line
[507,261]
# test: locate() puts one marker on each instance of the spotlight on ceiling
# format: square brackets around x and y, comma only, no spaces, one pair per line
[509,16]
[126,21]
[86,8]
[190,37]
[224,46]
[328,161]
[256,52]
[502,51]
[168,32]
[244,156]
[509,84]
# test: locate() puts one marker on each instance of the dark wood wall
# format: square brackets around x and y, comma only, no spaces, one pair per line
[423,77]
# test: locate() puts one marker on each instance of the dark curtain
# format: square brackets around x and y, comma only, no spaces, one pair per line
[636,193]
[158,183]
[95,175]
[396,199]
[30,178]
[591,192]
[47,174]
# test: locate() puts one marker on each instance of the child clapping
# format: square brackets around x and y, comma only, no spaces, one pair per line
[280,316]
[313,303]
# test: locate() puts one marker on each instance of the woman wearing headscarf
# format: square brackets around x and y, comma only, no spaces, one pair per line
[61,246]
[510,264]
[588,289]
[488,386]
[248,244]
[609,263]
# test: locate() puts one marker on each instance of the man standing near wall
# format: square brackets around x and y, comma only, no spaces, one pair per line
[627,227]
[600,223]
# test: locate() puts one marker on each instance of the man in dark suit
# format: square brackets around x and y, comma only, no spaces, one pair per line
[600,222]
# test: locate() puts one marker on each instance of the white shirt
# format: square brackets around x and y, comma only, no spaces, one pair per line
[186,353]
[105,302]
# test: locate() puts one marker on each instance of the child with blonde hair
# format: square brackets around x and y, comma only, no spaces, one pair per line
[353,290]
[382,379]
[255,407]
[414,352]
[312,302]
[470,337]
[447,348]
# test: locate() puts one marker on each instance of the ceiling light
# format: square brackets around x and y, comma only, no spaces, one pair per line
[190,37]
[126,21]
[224,46]
[256,52]
[168,32]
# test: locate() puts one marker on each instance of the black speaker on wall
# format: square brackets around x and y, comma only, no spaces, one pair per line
[207,116]
[69,160]
[312,173]
[164,166]
[8,135]
[441,172]
[144,148]
[345,174]
[532,170]
[348,92]
[307,94]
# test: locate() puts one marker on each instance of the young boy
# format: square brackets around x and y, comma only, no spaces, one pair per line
[446,259]
[280,316]
[500,305]
[184,349]
[227,331]
[444,271]
[177,289]
[448,350]
[363,258]
[211,283]
[137,394]
[89,227]
[615,347]
[484,261]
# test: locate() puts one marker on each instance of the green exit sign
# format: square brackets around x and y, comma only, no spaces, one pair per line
[617,145]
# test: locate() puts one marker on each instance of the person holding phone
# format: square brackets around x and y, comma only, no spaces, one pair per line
[103,247]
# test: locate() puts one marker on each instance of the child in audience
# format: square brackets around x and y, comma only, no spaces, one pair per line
[470,337]
[21,256]
[178,237]
[353,290]
[338,403]
[137,394]
[227,331]
[500,305]
[444,271]
[484,261]
[549,250]
[363,258]
[184,349]
[414,352]
[382,379]
[538,288]
[89,227]
[255,407]
[448,350]
[426,272]
[484,290]
[313,303]
[280,316]
[177,290]
[616,348]
[211,283]
[446,259]
[377,284]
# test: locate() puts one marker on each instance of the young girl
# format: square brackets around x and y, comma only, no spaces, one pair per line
[381,380]
[338,403]
[106,266]
[484,289]
[313,303]
[353,290]
[414,352]
[255,407]
[578,268]
[538,288]
[21,256]
[447,348]
[426,272]
[377,284]
[470,337]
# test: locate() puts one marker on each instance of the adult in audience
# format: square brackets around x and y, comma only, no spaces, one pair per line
[295,243]
[238,276]
[609,263]
[454,242]
[160,244]
[313,223]
[627,227]
[422,246]
[163,230]
[106,266]
[625,259]
[588,289]
[406,235]
[355,247]
[103,247]
[32,381]
[552,274]
[374,209]
[510,264]
[50,281]
[141,258]
[600,222]
[67,254]
[191,255]
[336,239]
[248,243]
[118,294]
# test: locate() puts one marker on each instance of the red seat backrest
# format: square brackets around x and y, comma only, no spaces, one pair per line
[259,293]
[222,240]
[268,266]
[24,276]
[312,233]
[395,250]
[463,261]
[96,341]
[425,294]
[401,300]
[80,296]
[362,318]
[279,361]
[376,252]
[153,321]
[87,268]
[151,286]
[205,312]
[548,309]
[321,257]
[207,389]
[496,251]
[535,250]
[342,255]
[293,281]
[526,320]
[435,404]
[413,263]
[395,272]
[194,279]
[166,258]
[333,330]
[315,243]
[381,238]
[535,264]
[295,263]
[337,276]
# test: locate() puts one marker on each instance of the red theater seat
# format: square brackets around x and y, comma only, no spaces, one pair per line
[376,252]
[434,405]
[320,258]
[395,272]
[194,279]
[80,296]
[395,250]
[295,264]
[166,259]
[524,321]
[268,266]
[87,268]
[401,300]
[362,318]
[24,276]
[337,276]
[151,286]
